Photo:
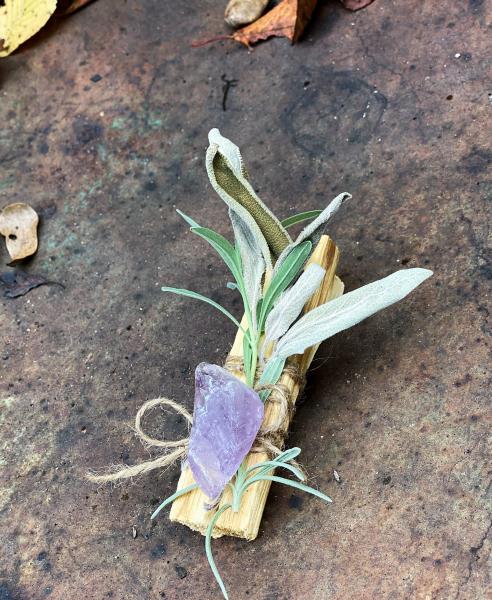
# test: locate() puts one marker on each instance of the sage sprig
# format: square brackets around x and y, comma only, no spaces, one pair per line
[266,266]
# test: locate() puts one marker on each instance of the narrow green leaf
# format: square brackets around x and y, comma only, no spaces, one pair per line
[285,456]
[283,278]
[197,296]
[300,218]
[191,222]
[224,248]
[247,359]
[208,549]
[289,454]
[290,483]
[269,465]
[271,374]
[172,498]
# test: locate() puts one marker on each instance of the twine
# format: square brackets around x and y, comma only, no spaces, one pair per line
[270,438]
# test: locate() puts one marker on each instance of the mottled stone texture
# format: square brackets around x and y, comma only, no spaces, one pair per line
[377,103]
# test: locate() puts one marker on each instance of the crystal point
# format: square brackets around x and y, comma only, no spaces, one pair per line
[226,419]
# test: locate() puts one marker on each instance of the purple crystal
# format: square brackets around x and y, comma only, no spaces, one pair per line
[226,419]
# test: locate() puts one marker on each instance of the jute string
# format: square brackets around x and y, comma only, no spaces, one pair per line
[270,438]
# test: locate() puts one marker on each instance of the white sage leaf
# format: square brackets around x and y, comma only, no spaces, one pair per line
[229,150]
[314,230]
[252,261]
[348,310]
[291,302]
[227,175]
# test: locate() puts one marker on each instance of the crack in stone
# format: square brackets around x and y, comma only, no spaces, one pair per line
[474,551]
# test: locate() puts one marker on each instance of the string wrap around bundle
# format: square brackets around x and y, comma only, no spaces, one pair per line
[270,438]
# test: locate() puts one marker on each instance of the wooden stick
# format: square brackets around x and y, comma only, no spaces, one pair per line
[190,508]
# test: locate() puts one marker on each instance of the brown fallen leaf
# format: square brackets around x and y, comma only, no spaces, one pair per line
[17,283]
[356,4]
[67,7]
[286,19]
[19,223]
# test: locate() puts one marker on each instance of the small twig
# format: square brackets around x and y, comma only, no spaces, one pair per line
[228,84]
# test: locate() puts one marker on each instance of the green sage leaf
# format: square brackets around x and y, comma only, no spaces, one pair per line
[208,549]
[271,374]
[269,465]
[178,494]
[284,276]
[191,222]
[224,248]
[300,218]
[290,483]
[197,296]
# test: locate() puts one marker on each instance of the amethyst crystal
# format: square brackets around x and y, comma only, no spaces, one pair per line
[226,419]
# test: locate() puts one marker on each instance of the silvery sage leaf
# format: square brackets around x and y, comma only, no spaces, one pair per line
[315,229]
[348,310]
[291,302]
[252,261]
[283,277]
[227,175]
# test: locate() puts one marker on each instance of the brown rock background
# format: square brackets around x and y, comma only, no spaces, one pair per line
[104,118]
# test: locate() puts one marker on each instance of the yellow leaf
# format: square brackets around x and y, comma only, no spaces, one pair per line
[20,20]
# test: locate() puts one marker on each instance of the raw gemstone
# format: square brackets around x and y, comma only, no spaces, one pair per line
[226,419]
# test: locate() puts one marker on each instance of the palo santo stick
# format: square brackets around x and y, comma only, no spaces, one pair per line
[190,508]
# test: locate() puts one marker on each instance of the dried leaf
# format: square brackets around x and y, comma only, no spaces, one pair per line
[19,223]
[356,4]
[20,20]
[67,7]
[17,283]
[287,19]
[243,12]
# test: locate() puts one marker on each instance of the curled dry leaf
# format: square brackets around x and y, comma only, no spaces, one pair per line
[19,223]
[356,4]
[67,7]
[288,19]
[20,20]
[243,12]
[18,283]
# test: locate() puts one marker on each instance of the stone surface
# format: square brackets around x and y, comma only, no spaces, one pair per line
[399,406]
[226,419]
